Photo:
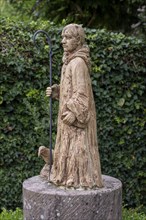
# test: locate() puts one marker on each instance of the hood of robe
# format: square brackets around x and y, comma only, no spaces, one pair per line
[84,53]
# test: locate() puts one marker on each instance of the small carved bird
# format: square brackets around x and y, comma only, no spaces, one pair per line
[44,152]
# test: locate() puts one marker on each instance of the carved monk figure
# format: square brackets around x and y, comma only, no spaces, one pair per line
[76,160]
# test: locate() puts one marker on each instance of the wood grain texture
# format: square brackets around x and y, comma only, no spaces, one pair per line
[76,161]
[43,201]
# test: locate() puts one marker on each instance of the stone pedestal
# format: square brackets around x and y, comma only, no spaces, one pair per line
[43,201]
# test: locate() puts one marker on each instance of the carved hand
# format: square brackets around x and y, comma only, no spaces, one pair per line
[69,118]
[48,91]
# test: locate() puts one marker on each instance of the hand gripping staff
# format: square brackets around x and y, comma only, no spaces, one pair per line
[50,76]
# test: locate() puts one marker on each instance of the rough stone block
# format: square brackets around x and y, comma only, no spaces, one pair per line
[43,201]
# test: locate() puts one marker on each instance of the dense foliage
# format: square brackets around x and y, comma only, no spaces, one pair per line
[133,214]
[17,215]
[11,215]
[140,27]
[93,13]
[119,85]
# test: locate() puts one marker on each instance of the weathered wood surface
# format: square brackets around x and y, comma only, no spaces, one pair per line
[43,201]
[76,161]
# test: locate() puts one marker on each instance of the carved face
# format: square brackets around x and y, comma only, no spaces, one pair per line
[69,42]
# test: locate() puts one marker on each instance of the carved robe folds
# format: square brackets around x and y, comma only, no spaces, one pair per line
[76,157]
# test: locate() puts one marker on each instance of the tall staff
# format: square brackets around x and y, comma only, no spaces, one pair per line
[50,76]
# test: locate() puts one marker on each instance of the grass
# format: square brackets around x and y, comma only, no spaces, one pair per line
[132,214]
[127,214]
[11,215]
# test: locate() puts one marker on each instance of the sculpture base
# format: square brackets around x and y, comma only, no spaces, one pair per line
[44,201]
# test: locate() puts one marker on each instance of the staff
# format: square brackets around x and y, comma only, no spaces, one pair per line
[50,76]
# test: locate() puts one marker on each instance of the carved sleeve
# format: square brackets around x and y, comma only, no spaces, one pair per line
[79,102]
[55,91]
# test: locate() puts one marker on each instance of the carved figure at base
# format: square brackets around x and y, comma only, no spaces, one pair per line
[76,157]
[44,152]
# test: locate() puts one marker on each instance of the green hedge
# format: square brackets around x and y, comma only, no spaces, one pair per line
[119,84]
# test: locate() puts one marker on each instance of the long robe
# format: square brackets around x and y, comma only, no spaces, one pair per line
[76,157]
